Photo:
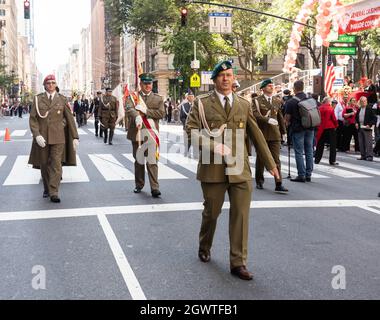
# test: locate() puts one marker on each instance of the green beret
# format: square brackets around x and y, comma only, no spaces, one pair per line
[146,77]
[221,66]
[265,83]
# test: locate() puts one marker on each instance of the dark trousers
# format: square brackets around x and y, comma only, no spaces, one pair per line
[339,135]
[327,135]
[97,127]
[349,132]
[365,143]
[79,117]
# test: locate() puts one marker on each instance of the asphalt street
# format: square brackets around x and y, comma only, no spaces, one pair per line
[105,242]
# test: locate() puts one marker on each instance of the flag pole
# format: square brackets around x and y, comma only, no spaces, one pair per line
[324,55]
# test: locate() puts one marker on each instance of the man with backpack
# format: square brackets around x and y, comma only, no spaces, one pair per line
[302,116]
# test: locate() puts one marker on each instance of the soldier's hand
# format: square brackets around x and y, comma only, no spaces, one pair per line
[139,122]
[41,141]
[273,122]
[274,173]
[222,149]
[75,144]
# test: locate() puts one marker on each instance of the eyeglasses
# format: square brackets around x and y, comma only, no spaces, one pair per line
[50,82]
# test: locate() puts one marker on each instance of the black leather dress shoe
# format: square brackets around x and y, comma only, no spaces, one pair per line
[45,194]
[281,189]
[259,186]
[242,273]
[55,199]
[137,190]
[308,179]
[156,193]
[361,158]
[369,158]
[204,257]
[334,164]
[298,179]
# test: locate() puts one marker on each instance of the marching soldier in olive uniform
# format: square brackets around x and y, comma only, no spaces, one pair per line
[155,110]
[267,111]
[55,137]
[108,110]
[214,117]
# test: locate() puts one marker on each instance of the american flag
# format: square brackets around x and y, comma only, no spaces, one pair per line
[329,76]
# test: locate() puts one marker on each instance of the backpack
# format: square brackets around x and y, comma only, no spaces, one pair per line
[309,112]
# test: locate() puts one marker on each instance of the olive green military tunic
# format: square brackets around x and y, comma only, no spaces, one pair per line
[108,112]
[263,110]
[215,180]
[58,128]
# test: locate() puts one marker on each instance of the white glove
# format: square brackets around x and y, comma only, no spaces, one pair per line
[141,108]
[273,122]
[284,136]
[41,141]
[75,144]
[138,121]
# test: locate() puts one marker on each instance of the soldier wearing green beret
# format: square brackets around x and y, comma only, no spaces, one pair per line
[213,120]
[267,111]
[108,110]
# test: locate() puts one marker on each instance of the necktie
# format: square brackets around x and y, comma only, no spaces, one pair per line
[270,100]
[227,105]
[145,97]
[50,98]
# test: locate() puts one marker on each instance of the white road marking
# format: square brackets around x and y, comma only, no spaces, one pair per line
[164,172]
[81,132]
[370,209]
[374,171]
[178,207]
[2,133]
[22,173]
[356,156]
[181,160]
[331,170]
[111,168]
[75,174]
[18,133]
[2,159]
[121,260]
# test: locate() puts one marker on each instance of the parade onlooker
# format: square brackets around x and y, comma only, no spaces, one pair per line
[326,132]
[185,108]
[349,131]
[365,120]
[376,110]
[169,110]
[338,114]
[79,111]
[302,138]
[371,89]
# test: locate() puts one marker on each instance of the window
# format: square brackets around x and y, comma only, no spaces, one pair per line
[2,12]
[153,61]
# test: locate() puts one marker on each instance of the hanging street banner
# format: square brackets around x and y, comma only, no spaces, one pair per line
[359,16]
[347,51]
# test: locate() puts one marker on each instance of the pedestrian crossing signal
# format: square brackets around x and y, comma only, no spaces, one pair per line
[184,17]
[26,9]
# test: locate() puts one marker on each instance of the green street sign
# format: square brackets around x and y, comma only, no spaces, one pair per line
[345,38]
[349,51]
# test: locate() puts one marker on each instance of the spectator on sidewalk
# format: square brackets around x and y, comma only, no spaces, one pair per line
[349,131]
[339,116]
[365,121]
[302,138]
[326,132]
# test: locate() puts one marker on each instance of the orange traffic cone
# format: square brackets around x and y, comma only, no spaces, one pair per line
[7,136]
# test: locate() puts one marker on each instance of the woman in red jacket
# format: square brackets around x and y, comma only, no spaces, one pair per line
[326,132]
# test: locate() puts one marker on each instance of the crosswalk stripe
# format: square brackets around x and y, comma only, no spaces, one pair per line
[2,133]
[284,169]
[356,167]
[181,160]
[354,157]
[81,132]
[2,159]
[75,174]
[118,132]
[164,172]
[18,133]
[331,170]
[22,173]
[111,168]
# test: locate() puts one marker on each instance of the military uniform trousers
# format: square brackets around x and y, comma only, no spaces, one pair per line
[240,201]
[140,171]
[109,123]
[274,147]
[51,167]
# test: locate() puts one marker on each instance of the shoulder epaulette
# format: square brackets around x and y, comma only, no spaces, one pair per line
[205,95]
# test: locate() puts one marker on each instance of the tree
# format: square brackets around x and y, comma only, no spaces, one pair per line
[368,44]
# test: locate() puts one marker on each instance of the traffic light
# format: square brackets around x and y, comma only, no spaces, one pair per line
[26,9]
[183,17]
